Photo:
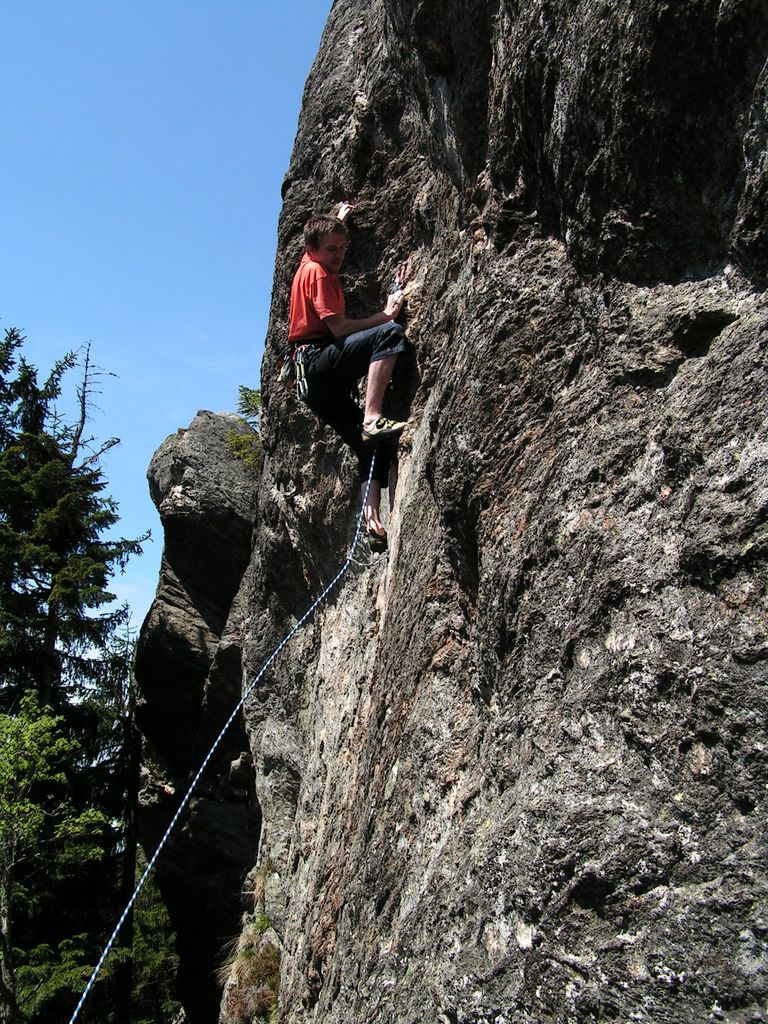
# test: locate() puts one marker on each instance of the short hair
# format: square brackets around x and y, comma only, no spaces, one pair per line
[317,227]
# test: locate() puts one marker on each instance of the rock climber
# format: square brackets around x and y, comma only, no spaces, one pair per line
[337,351]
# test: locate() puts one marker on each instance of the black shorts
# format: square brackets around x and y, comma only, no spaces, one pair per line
[348,360]
[333,370]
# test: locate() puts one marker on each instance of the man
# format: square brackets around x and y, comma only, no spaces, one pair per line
[337,351]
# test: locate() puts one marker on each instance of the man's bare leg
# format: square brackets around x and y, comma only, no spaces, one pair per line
[372,520]
[379,376]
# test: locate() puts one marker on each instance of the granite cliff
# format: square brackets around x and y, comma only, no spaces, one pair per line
[515,769]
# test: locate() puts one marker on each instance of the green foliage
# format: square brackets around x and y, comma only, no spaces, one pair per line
[260,923]
[55,565]
[249,404]
[155,959]
[33,806]
[68,768]
[31,750]
[52,976]
[246,446]
[39,827]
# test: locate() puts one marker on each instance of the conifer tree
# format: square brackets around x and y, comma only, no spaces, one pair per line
[64,692]
[54,561]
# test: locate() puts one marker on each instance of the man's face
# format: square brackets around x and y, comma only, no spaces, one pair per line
[330,251]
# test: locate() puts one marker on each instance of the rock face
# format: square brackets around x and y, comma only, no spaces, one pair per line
[188,669]
[515,769]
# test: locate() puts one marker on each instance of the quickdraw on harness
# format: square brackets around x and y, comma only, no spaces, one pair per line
[301,374]
[292,365]
[286,367]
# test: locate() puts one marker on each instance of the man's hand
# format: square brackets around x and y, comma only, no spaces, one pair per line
[344,211]
[394,304]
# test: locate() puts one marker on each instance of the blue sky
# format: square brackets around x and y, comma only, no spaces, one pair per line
[145,142]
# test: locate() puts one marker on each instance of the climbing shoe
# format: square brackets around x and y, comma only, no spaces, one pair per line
[377,541]
[382,428]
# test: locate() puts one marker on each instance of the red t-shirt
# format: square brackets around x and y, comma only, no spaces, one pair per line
[315,294]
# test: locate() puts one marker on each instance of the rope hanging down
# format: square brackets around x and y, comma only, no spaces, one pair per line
[283,643]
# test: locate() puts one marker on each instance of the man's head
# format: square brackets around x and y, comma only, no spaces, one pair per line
[326,241]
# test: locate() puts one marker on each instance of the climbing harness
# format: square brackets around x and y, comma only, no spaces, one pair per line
[283,643]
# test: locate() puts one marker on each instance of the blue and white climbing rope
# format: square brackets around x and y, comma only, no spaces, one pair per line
[283,643]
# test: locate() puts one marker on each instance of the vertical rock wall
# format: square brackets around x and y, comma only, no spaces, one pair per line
[515,770]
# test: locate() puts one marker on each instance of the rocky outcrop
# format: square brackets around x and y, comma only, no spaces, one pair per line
[521,758]
[188,668]
[515,769]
